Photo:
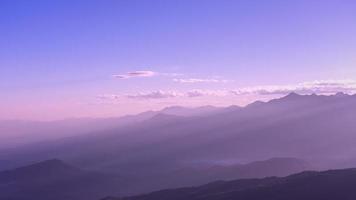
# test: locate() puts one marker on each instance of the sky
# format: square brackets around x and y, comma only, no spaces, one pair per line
[69,59]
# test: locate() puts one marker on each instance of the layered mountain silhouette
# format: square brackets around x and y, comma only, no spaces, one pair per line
[54,179]
[17,132]
[316,128]
[310,127]
[196,175]
[204,173]
[327,185]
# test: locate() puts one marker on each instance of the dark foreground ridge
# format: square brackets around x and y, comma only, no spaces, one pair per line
[327,185]
[56,180]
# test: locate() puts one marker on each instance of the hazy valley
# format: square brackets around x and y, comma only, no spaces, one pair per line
[188,147]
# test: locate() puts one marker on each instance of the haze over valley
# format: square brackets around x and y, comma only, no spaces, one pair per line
[177,100]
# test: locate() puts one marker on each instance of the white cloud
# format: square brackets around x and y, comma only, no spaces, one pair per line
[134,74]
[170,74]
[318,87]
[145,73]
[198,80]
[200,93]
[108,96]
[174,94]
[155,95]
[164,94]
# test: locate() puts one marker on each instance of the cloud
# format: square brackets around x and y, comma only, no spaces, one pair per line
[108,96]
[318,87]
[170,74]
[200,93]
[145,73]
[159,94]
[134,74]
[174,94]
[155,95]
[197,80]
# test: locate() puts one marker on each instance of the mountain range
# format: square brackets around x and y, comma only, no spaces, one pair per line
[56,180]
[169,149]
[17,133]
[53,179]
[310,127]
[309,185]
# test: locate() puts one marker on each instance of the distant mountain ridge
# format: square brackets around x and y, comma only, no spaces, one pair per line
[327,185]
[292,126]
[197,175]
[56,180]
[21,132]
[49,169]
[317,129]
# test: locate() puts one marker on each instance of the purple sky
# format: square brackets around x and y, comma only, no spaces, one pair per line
[63,59]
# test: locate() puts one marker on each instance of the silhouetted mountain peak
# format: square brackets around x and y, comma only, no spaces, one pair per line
[292,95]
[49,163]
[256,103]
[233,108]
[45,168]
[46,171]
[56,180]
[302,99]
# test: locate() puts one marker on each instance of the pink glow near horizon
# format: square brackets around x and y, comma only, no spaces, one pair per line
[62,61]
[115,105]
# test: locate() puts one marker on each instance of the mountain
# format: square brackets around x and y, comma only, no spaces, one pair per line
[54,179]
[316,128]
[198,174]
[311,127]
[327,185]
[259,169]
[184,111]
[17,133]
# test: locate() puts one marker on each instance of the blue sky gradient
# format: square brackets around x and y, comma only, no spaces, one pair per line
[57,57]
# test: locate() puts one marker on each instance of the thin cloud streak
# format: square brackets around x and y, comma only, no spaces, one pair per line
[197,80]
[159,94]
[145,73]
[134,74]
[155,95]
[318,87]
[322,87]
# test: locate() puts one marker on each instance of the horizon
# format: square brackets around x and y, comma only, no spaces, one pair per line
[188,107]
[74,59]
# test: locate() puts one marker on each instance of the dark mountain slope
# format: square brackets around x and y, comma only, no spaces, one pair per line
[204,173]
[56,180]
[328,185]
[197,175]
[318,129]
